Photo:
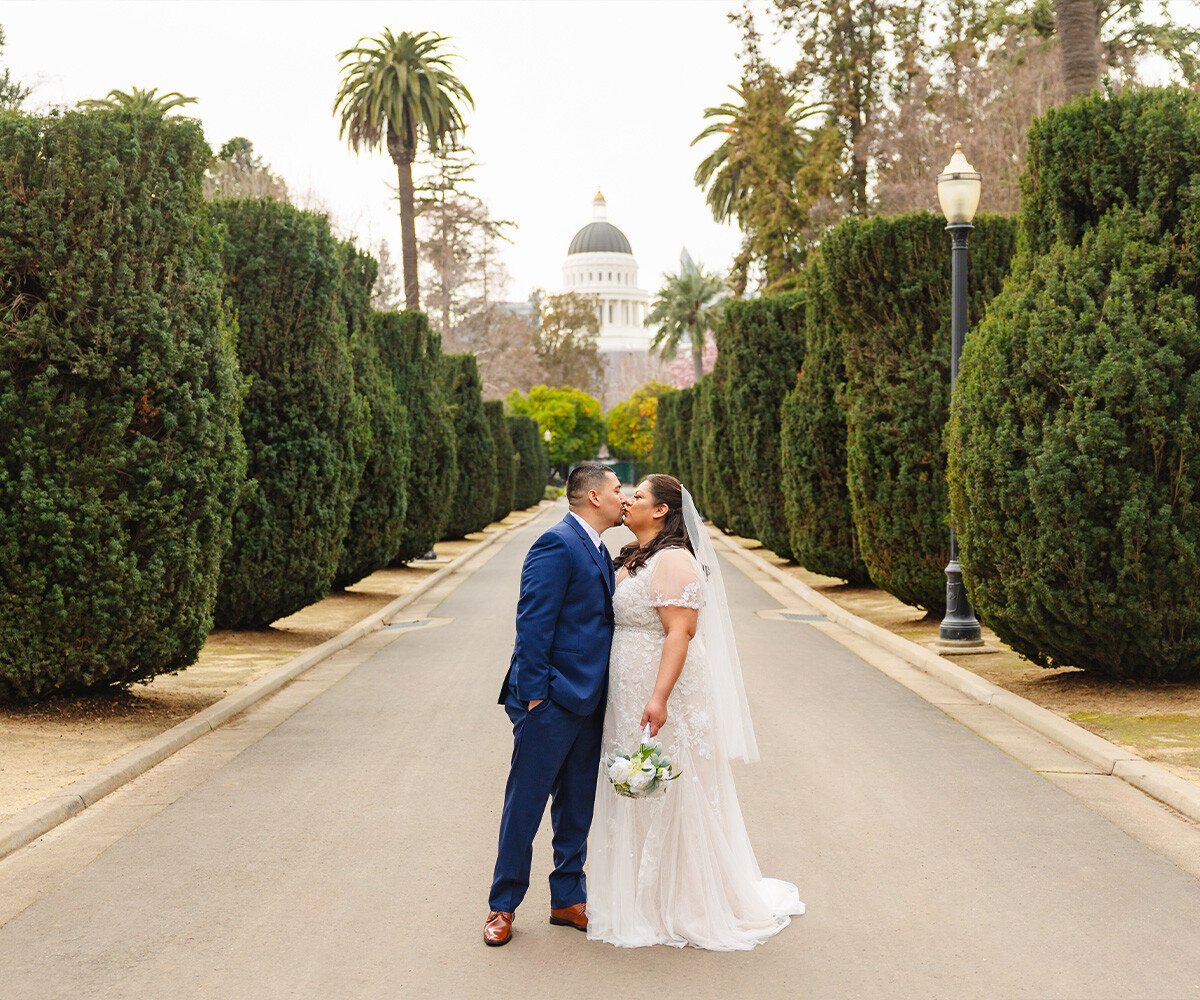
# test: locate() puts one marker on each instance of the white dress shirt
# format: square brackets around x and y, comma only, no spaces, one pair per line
[593,534]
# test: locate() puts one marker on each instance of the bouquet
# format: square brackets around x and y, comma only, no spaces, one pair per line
[643,773]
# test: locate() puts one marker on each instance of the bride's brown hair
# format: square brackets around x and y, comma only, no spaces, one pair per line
[673,534]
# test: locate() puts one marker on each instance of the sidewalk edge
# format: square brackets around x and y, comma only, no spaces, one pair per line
[1150,778]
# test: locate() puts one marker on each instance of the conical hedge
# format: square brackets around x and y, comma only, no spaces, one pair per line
[722,490]
[304,426]
[119,401]
[413,355]
[1076,434]
[887,298]
[378,515]
[506,460]
[475,495]
[533,467]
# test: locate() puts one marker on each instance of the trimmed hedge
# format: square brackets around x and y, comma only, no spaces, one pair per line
[888,301]
[1076,431]
[681,429]
[413,355]
[763,342]
[475,496]
[119,401]
[377,517]
[662,456]
[506,461]
[813,445]
[722,490]
[304,426]
[533,465]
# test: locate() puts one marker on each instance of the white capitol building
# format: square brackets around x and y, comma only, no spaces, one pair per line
[600,265]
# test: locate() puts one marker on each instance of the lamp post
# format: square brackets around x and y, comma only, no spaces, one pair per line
[958,188]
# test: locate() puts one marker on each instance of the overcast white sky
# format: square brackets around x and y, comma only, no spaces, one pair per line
[570,95]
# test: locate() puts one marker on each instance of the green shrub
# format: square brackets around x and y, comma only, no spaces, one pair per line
[506,461]
[1076,421]
[413,355]
[119,401]
[763,342]
[682,430]
[303,423]
[377,517]
[722,491]
[813,444]
[533,466]
[475,495]
[662,455]
[888,302]
[630,424]
[694,459]
[574,419]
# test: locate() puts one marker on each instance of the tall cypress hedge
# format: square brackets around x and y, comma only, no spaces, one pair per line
[888,302]
[506,461]
[119,401]
[305,428]
[412,353]
[681,430]
[1076,433]
[533,467]
[725,505]
[813,444]
[694,459]
[663,457]
[377,517]
[475,496]
[764,345]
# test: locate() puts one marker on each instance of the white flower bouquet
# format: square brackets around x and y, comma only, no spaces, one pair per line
[643,773]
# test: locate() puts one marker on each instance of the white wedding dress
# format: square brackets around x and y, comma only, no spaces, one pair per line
[677,869]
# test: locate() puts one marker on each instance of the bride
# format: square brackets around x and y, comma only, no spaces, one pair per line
[677,869]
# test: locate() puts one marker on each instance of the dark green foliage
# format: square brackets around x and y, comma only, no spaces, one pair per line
[413,355]
[813,445]
[533,467]
[722,490]
[887,283]
[475,496]
[377,517]
[1074,446]
[681,436]
[663,457]
[119,402]
[506,460]
[763,343]
[694,457]
[304,426]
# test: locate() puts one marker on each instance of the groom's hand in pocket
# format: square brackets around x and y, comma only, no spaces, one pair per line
[534,704]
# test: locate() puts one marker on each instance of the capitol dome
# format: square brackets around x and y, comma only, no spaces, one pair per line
[599,237]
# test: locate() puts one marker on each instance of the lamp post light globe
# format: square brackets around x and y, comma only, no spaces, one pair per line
[958,188]
[547,435]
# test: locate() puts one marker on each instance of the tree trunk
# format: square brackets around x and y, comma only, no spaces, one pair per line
[408,220]
[1079,45]
[698,356]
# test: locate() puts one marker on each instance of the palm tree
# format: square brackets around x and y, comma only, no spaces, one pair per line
[1079,45]
[688,304]
[401,88]
[138,100]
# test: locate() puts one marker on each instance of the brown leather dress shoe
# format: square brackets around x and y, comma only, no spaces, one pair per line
[571,916]
[498,928]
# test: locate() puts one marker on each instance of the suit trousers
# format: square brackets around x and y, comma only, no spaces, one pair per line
[556,756]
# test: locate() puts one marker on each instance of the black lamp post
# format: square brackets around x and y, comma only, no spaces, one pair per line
[958,188]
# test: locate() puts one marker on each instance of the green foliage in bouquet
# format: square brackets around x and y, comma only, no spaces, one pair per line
[413,356]
[506,460]
[763,342]
[533,466]
[305,428]
[887,283]
[475,495]
[378,515]
[119,400]
[813,444]
[1076,422]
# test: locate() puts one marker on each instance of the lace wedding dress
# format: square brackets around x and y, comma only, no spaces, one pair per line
[677,869]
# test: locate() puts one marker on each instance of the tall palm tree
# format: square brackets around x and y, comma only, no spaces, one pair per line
[135,99]
[400,88]
[1079,45]
[688,304]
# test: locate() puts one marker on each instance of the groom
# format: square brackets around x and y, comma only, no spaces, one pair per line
[554,694]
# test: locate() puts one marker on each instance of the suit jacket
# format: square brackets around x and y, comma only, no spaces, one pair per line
[564,621]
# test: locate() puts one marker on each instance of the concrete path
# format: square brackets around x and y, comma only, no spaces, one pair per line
[337,842]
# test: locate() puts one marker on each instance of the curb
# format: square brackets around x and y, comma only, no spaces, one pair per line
[39,818]
[1152,779]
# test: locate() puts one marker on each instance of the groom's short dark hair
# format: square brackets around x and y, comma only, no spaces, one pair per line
[589,476]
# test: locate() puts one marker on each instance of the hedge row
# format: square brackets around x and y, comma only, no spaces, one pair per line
[203,420]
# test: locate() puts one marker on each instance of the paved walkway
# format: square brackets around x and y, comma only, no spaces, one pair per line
[337,842]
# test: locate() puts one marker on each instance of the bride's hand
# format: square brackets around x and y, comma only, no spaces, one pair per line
[655,714]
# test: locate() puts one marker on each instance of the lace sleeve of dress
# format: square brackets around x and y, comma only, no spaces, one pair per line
[675,580]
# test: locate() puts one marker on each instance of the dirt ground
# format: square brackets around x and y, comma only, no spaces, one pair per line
[49,745]
[1160,722]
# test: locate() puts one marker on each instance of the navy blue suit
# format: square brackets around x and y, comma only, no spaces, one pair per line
[564,633]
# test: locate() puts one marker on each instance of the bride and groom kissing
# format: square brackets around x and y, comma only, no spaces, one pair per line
[603,650]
